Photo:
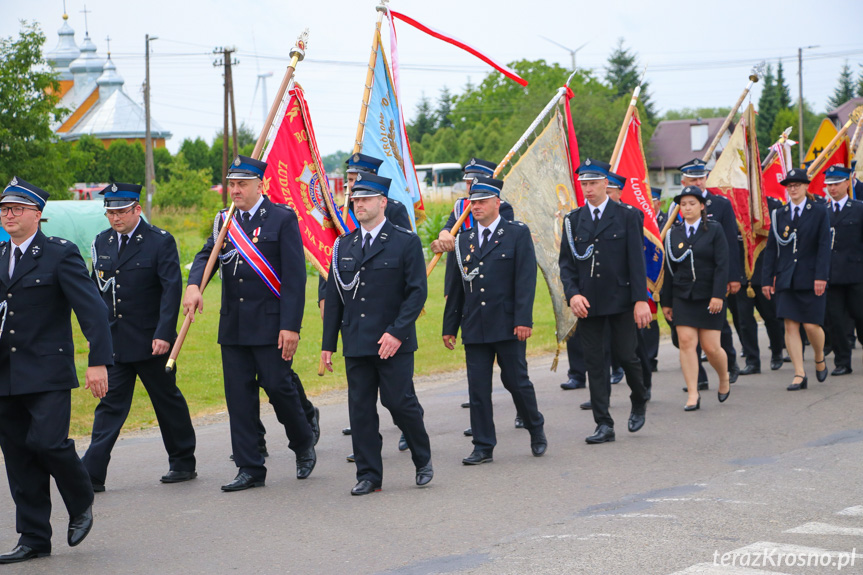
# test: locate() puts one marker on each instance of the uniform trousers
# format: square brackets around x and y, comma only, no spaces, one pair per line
[393,378]
[34,436]
[651,343]
[747,328]
[308,410]
[246,368]
[170,406]
[844,303]
[624,334]
[510,355]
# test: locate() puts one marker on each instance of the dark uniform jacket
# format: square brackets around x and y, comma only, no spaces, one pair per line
[501,293]
[389,294]
[36,350]
[719,210]
[758,268]
[709,256]
[613,277]
[144,300]
[846,262]
[251,314]
[811,261]
[661,218]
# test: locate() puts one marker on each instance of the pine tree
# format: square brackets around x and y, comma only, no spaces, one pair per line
[444,109]
[844,90]
[768,104]
[424,123]
[782,89]
[622,75]
[860,81]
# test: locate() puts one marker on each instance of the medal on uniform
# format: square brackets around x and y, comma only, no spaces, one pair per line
[471,247]
[680,246]
[467,259]
[255,235]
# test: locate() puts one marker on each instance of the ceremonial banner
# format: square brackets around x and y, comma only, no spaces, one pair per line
[539,187]
[777,169]
[636,193]
[295,177]
[841,156]
[574,158]
[737,176]
[858,174]
[384,136]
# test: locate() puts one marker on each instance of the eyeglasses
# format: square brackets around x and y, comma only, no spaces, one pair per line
[113,213]
[16,210]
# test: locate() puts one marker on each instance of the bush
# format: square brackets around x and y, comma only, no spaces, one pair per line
[186,188]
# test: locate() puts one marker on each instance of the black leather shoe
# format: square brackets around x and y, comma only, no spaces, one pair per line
[821,374]
[573,383]
[603,434]
[750,369]
[636,422]
[478,456]
[425,474]
[841,370]
[538,442]
[365,487]
[802,384]
[178,476]
[695,407]
[403,443]
[733,374]
[466,404]
[786,358]
[351,458]
[617,375]
[519,422]
[22,553]
[243,481]
[306,463]
[98,486]
[79,527]
[346,431]
[586,405]
[316,425]
[723,396]
[468,432]
[776,363]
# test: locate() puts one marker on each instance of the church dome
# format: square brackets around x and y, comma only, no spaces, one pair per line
[66,50]
[88,62]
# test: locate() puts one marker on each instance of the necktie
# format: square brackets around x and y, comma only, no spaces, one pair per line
[367,241]
[596,214]
[18,255]
[246,217]
[486,234]
[124,239]
[796,213]
[691,231]
[836,208]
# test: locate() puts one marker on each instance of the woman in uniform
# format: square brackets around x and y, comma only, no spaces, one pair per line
[693,293]
[796,268]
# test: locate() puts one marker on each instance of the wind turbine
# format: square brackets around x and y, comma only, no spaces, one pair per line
[570,50]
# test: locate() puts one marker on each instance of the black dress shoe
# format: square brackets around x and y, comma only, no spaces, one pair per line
[403,443]
[802,384]
[733,374]
[365,487]
[776,363]
[178,476]
[636,422]
[586,405]
[841,370]
[98,486]
[351,458]
[538,442]
[316,425]
[723,396]
[306,463]
[786,358]
[425,474]
[243,481]
[617,375]
[466,404]
[821,374]
[79,527]
[750,369]
[478,456]
[573,383]
[346,431]
[468,432]
[603,434]
[519,422]
[22,553]
[695,407]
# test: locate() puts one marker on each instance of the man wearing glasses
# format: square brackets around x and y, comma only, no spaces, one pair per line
[42,280]
[137,270]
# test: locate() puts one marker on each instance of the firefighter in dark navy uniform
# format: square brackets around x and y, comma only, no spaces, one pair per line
[491,299]
[263,295]
[42,280]
[137,269]
[375,292]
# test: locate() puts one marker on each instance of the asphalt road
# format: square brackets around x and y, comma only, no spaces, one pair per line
[767,470]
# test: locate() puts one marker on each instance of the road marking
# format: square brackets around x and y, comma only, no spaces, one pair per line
[816,528]
[856,511]
[713,569]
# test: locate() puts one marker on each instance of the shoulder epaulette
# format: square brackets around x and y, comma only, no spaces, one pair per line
[56,240]
[627,206]
[401,229]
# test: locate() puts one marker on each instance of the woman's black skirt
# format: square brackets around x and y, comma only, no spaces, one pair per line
[801,306]
[694,313]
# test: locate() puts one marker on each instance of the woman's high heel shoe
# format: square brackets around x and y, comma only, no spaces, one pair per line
[798,386]
[695,407]
[821,374]
[723,396]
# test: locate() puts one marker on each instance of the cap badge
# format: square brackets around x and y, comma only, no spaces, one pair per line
[113,187]
[14,181]
[473,161]
[359,177]
[587,162]
[356,158]
[237,162]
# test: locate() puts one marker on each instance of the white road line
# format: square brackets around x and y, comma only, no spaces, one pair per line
[856,511]
[711,569]
[816,528]
[786,549]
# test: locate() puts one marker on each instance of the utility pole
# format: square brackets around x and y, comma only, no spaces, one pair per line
[149,166]
[225,61]
[230,75]
[800,145]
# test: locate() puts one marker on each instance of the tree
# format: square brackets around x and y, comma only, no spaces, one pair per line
[186,188]
[162,160]
[860,81]
[783,91]
[623,75]
[844,90]
[335,161]
[95,167]
[126,162]
[789,117]
[424,123]
[693,113]
[245,136]
[768,103]
[444,108]
[196,152]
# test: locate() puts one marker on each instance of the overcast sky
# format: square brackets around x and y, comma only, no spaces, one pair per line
[699,54]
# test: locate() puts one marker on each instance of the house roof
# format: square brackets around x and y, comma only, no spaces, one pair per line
[670,145]
[841,114]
